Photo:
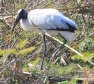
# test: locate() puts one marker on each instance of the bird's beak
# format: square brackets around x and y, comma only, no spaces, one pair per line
[15,23]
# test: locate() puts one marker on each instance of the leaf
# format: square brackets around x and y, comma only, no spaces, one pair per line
[2,52]
[86,57]
[25,51]
[36,61]
[7,51]
[22,44]
[86,45]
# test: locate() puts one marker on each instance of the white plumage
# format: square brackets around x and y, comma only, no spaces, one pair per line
[47,19]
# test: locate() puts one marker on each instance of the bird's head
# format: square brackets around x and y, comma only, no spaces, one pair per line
[21,14]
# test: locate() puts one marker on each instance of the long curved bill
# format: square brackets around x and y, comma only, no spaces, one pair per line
[14,25]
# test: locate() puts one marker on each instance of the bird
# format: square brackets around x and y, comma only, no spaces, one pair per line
[49,20]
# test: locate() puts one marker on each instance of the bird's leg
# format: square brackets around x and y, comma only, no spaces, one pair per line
[67,60]
[44,50]
[65,41]
[60,47]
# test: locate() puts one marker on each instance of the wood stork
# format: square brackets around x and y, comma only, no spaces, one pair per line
[51,20]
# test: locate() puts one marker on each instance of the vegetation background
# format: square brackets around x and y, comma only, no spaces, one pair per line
[21,52]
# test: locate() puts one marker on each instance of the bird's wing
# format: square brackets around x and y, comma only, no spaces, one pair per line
[69,36]
[50,20]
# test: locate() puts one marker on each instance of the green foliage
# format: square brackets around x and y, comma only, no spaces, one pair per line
[87,45]
[17,52]
[86,57]
[19,49]
[70,8]
[21,44]
[32,66]
[7,51]
[25,51]
[73,81]
[36,61]
[59,70]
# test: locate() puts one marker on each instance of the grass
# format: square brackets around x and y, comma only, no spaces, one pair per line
[22,51]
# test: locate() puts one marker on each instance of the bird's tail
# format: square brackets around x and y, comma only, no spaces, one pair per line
[69,36]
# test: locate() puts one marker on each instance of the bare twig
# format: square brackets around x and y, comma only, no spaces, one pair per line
[2,20]
[44,51]
[8,65]
[64,44]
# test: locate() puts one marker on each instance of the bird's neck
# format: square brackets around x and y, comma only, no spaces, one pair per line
[25,24]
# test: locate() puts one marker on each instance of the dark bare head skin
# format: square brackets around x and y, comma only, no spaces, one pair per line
[22,14]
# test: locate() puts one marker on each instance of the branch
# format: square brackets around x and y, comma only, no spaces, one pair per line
[2,20]
[52,79]
[68,47]
[8,65]
[64,44]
